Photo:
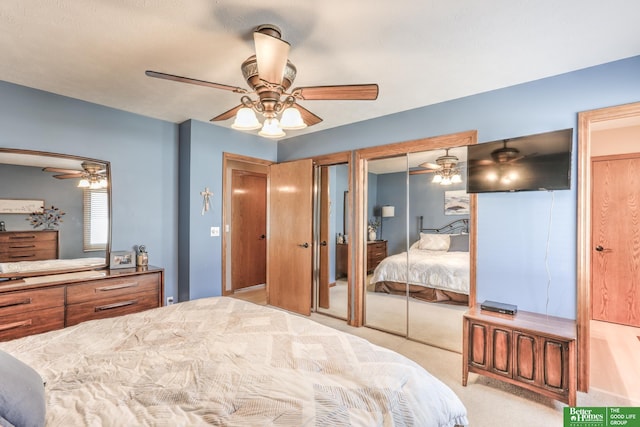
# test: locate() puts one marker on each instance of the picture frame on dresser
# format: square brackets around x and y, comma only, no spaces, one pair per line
[122,259]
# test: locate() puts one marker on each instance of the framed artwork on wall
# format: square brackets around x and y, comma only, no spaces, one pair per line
[21,206]
[456,202]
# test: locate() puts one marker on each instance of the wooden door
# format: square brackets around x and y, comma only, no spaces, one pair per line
[615,231]
[289,277]
[248,237]
[323,291]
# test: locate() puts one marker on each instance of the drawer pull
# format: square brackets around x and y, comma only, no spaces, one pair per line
[15,325]
[115,287]
[13,303]
[21,246]
[22,256]
[116,305]
[22,237]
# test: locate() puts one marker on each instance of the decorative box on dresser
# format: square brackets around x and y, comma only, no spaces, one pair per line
[39,304]
[531,350]
[36,245]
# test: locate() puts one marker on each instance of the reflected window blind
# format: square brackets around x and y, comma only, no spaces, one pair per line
[96,219]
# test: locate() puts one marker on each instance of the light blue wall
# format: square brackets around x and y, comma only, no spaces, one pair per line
[201,153]
[144,162]
[512,228]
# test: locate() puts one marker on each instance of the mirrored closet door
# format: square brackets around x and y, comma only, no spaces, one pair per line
[386,254]
[331,282]
[418,205]
[439,261]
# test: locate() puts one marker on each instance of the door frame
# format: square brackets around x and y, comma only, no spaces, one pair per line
[357,234]
[229,160]
[586,120]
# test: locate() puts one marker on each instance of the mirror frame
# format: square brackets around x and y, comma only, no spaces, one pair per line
[360,221]
[108,246]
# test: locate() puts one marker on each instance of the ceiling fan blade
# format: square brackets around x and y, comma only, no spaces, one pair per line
[420,171]
[308,117]
[271,56]
[430,165]
[61,170]
[227,114]
[367,92]
[68,176]
[204,83]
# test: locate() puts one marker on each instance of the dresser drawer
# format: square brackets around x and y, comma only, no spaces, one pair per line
[32,322]
[100,290]
[11,237]
[26,301]
[111,307]
[28,246]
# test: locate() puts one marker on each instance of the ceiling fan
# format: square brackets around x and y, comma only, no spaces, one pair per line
[92,175]
[502,155]
[445,169]
[270,74]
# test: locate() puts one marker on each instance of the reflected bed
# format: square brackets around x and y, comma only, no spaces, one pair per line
[223,361]
[436,268]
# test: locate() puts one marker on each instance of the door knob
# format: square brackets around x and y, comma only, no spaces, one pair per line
[323,243]
[262,237]
[304,245]
[599,248]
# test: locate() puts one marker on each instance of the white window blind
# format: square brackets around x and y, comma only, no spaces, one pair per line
[96,219]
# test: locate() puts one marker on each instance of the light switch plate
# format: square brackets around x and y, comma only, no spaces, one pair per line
[215,231]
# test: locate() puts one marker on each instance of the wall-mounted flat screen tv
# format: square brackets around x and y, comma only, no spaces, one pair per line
[526,163]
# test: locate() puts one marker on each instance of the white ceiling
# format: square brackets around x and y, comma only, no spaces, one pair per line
[420,52]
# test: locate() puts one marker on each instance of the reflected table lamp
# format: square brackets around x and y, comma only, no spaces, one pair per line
[387,212]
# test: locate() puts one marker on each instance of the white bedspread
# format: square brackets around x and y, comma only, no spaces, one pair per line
[221,361]
[448,271]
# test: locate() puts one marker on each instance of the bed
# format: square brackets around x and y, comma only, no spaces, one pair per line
[223,361]
[435,269]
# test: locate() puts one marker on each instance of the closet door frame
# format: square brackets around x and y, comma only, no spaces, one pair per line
[359,219]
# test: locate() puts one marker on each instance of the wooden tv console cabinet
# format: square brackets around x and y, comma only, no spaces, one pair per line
[530,350]
[44,303]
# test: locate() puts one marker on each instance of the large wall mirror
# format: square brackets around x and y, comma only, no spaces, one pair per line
[54,213]
[417,239]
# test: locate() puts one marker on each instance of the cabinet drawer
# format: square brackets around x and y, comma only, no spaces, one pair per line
[100,290]
[28,254]
[10,237]
[26,301]
[33,322]
[111,307]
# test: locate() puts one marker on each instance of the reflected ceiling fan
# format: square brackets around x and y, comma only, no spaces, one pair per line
[92,175]
[445,169]
[502,155]
[270,74]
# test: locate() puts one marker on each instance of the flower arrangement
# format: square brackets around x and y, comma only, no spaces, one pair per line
[49,217]
[374,224]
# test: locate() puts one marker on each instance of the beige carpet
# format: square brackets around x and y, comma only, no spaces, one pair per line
[435,324]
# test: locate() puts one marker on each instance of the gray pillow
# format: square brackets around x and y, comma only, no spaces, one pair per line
[459,243]
[21,394]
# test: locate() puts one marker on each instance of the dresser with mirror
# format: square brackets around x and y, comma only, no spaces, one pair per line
[55,246]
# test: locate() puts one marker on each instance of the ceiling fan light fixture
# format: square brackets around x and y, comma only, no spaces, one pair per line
[271,129]
[456,179]
[437,178]
[292,119]
[246,120]
[84,183]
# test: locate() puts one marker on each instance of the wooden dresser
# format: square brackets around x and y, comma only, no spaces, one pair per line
[530,350]
[376,252]
[40,304]
[34,245]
